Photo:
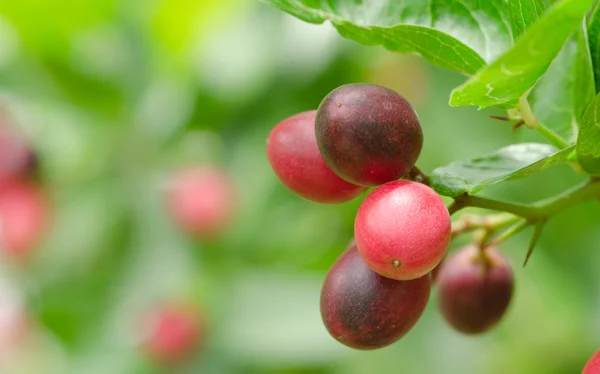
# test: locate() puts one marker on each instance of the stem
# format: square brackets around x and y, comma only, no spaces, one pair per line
[541,210]
[493,222]
[533,123]
[512,231]
[417,175]
[551,136]
[521,210]
[529,118]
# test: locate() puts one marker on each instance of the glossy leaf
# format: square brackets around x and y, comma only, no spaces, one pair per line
[588,142]
[593,26]
[560,98]
[523,14]
[512,162]
[514,73]
[449,33]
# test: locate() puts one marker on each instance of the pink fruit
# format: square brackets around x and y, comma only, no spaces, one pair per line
[593,364]
[24,214]
[201,200]
[474,291]
[364,310]
[402,230]
[294,156]
[368,134]
[175,332]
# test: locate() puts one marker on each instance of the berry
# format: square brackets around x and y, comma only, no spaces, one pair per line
[174,333]
[294,156]
[17,159]
[402,230]
[475,289]
[593,364]
[364,310]
[201,201]
[368,134]
[23,218]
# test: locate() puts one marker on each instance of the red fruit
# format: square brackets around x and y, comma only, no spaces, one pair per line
[364,310]
[474,291]
[201,200]
[23,218]
[593,364]
[175,332]
[294,156]
[17,160]
[368,134]
[402,230]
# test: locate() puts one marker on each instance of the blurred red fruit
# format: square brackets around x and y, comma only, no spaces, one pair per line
[475,290]
[174,334]
[201,200]
[24,214]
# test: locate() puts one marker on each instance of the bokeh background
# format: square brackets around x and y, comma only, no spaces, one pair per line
[115,95]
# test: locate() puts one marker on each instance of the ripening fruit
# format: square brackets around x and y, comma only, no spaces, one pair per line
[24,214]
[368,134]
[363,310]
[593,364]
[17,159]
[402,230]
[201,200]
[474,291]
[294,156]
[174,333]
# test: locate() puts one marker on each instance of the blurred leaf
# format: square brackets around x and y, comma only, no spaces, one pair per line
[523,14]
[451,34]
[593,26]
[177,24]
[513,74]
[563,93]
[74,302]
[512,162]
[588,142]
[50,35]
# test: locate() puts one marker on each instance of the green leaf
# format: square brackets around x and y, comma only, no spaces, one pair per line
[593,26]
[588,142]
[460,35]
[523,14]
[512,162]
[513,74]
[560,98]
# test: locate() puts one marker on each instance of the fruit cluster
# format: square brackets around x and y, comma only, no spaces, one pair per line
[362,136]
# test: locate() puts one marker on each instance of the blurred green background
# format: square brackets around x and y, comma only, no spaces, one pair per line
[115,94]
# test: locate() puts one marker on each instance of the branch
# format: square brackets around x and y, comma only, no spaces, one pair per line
[541,210]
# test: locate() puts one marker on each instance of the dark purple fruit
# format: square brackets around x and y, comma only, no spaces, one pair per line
[368,134]
[364,310]
[474,290]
